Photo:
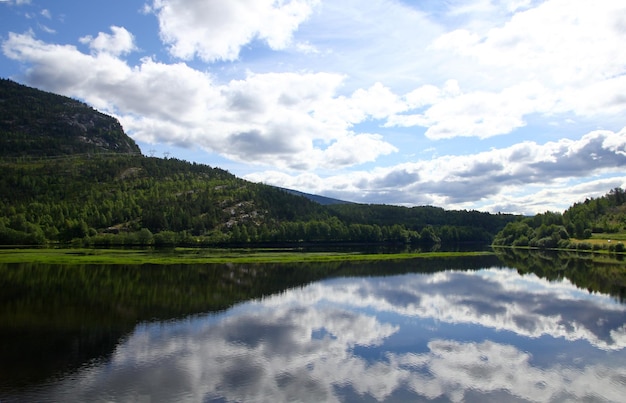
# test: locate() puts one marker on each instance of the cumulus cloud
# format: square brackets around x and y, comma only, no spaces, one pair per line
[217,30]
[557,57]
[482,114]
[457,179]
[559,42]
[120,42]
[281,119]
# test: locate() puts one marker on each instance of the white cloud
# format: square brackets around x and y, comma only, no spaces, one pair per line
[558,196]
[558,57]
[217,30]
[475,114]
[558,41]
[355,149]
[118,43]
[47,29]
[498,174]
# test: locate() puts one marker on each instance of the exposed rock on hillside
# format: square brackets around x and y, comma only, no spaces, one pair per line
[39,123]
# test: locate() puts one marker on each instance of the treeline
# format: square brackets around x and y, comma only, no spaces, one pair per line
[314,231]
[569,230]
[134,200]
[446,225]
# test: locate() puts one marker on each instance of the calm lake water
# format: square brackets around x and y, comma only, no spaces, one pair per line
[531,327]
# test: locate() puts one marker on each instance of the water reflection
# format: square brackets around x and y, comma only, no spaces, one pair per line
[594,272]
[455,336]
[54,318]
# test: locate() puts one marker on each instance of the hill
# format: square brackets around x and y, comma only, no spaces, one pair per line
[69,173]
[38,123]
[603,218]
[118,199]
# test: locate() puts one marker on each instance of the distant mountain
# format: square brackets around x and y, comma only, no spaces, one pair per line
[38,123]
[324,201]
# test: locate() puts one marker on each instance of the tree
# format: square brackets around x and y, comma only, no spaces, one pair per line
[145,237]
[428,236]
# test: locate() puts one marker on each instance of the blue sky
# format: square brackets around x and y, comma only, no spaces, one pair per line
[496,105]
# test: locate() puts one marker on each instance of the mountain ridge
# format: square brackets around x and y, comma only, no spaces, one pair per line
[39,123]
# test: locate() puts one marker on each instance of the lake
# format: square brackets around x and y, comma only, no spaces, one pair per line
[520,326]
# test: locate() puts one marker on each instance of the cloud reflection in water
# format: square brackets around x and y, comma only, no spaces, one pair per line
[460,336]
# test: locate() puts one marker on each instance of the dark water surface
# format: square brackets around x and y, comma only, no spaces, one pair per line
[510,328]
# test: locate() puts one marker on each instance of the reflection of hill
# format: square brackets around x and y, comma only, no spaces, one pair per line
[583,270]
[55,316]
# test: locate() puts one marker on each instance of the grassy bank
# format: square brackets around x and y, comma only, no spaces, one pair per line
[602,242]
[187,255]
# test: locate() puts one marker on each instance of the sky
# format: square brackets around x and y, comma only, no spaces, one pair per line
[512,106]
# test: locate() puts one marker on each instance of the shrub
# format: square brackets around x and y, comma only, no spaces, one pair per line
[564,244]
[521,241]
[546,243]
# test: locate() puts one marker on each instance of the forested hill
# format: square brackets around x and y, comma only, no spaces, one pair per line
[69,174]
[119,200]
[579,227]
[38,123]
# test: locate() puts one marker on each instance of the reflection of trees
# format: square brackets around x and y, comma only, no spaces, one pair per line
[584,270]
[419,265]
[58,316]
[101,294]
[64,295]
[55,317]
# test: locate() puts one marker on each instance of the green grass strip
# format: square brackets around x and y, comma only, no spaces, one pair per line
[189,256]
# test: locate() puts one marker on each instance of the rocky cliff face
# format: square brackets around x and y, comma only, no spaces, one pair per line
[38,123]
